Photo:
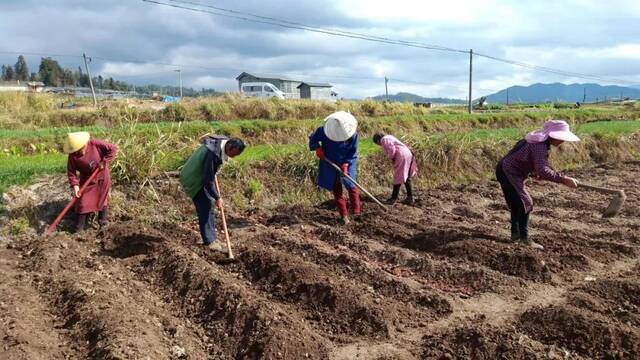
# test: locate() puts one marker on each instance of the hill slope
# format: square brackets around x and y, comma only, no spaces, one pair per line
[562,92]
[409,97]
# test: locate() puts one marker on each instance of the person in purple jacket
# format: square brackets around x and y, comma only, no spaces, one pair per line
[531,156]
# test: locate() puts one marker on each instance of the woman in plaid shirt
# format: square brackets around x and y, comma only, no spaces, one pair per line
[531,156]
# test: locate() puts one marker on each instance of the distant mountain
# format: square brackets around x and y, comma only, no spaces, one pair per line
[413,98]
[557,92]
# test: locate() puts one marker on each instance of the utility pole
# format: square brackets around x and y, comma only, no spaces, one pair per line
[470,78]
[180,77]
[386,88]
[584,95]
[93,91]
[507,96]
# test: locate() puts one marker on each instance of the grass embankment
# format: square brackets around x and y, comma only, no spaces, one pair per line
[34,111]
[268,173]
[33,141]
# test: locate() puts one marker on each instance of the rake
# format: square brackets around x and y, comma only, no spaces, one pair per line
[615,205]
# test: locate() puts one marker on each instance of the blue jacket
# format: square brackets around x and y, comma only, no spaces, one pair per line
[339,152]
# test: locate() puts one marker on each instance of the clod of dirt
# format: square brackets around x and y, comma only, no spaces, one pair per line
[582,331]
[477,342]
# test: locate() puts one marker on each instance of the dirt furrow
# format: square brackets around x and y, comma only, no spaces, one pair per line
[28,327]
[349,265]
[245,324]
[106,311]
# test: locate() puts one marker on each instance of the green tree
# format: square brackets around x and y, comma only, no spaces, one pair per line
[22,70]
[34,77]
[50,72]
[67,78]
[83,79]
[9,74]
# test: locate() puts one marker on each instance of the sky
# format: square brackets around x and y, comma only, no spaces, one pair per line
[130,40]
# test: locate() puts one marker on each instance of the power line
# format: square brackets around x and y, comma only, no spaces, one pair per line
[246,16]
[552,70]
[310,28]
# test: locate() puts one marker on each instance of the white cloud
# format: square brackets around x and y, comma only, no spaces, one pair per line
[587,36]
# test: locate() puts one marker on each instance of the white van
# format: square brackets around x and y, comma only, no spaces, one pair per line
[261,90]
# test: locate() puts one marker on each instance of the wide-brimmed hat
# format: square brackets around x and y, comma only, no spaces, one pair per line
[340,126]
[75,141]
[555,129]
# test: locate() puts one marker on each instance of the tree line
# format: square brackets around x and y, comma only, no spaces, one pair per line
[52,74]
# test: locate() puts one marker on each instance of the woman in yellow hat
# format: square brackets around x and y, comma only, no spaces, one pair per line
[86,155]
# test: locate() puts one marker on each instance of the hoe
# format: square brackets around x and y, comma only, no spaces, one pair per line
[55,223]
[615,205]
[356,183]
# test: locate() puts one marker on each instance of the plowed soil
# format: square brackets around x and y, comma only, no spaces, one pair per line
[438,280]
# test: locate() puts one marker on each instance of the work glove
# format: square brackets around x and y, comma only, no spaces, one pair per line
[320,153]
[345,168]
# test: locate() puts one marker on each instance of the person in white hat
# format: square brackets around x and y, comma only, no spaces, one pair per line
[531,156]
[337,141]
[85,156]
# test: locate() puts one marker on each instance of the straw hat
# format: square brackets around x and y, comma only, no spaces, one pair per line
[340,126]
[75,141]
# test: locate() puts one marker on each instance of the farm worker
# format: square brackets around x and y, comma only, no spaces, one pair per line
[337,141]
[85,156]
[198,181]
[404,165]
[531,156]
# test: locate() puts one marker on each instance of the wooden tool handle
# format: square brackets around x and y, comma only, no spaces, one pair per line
[356,183]
[600,189]
[224,221]
[73,200]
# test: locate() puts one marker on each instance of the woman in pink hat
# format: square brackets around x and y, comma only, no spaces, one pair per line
[531,156]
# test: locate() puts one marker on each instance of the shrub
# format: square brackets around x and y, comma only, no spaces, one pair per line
[175,112]
[253,189]
[215,111]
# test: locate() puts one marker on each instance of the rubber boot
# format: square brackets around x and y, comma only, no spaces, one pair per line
[81,220]
[394,195]
[407,185]
[102,217]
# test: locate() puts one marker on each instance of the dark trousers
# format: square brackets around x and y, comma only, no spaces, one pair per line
[519,218]
[407,186]
[354,199]
[206,218]
[81,219]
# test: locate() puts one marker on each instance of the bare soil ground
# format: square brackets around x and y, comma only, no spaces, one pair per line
[438,280]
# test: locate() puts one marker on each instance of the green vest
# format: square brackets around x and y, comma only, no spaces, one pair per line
[193,171]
